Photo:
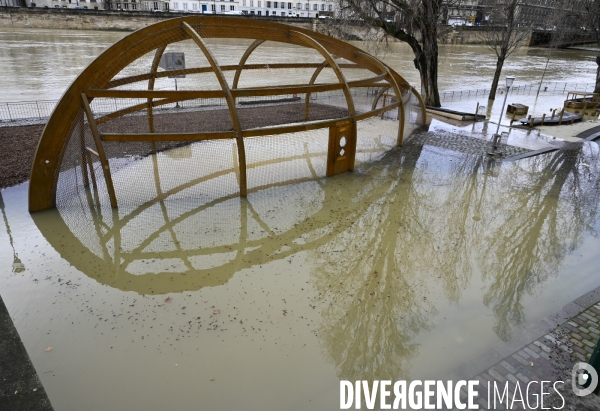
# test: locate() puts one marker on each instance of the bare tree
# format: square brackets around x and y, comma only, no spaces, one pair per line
[412,21]
[505,34]
[562,23]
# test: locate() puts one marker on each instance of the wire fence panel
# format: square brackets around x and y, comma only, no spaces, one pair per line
[546,88]
[30,110]
[37,112]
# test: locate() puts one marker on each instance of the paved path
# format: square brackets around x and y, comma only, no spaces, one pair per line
[544,351]
[590,134]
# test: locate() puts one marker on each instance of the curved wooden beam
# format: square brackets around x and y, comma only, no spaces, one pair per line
[311,82]
[230,102]
[394,85]
[197,70]
[378,96]
[310,42]
[153,70]
[249,50]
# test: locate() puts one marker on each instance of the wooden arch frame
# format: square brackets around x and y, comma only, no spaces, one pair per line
[97,80]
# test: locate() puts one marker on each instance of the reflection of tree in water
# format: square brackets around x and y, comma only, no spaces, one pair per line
[370,275]
[515,223]
[17,266]
[556,201]
[381,240]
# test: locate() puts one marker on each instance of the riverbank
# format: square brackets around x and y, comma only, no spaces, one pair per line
[18,149]
[126,20]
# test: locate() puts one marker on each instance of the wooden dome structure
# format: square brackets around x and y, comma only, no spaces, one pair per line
[123,108]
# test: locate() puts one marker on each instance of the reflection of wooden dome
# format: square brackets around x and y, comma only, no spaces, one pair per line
[115,101]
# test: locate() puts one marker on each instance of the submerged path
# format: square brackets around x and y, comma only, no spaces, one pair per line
[590,134]
[20,388]
[546,350]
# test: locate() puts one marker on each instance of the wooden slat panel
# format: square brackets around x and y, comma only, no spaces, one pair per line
[168,136]
[374,113]
[369,82]
[267,131]
[199,70]
[181,94]
[279,90]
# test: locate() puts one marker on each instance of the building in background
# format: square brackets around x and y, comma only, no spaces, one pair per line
[137,5]
[310,8]
[461,13]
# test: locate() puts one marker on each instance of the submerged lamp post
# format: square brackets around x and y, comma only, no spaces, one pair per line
[496,137]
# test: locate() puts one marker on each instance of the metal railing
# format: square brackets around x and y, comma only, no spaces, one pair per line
[30,110]
[38,112]
[546,88]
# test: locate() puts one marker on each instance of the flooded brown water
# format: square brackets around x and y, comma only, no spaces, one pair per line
[419,260]
[404,269]
[40,64]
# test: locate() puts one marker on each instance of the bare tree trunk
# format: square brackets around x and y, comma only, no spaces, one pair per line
[507,35]
[426,61]
[428,72]
[494,88]
[597,88]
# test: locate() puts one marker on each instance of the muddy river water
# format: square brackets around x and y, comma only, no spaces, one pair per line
[421,259]
[39,64]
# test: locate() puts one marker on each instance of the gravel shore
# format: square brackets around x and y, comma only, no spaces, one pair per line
[16,155]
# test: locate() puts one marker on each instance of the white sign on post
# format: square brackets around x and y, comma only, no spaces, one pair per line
[173,61]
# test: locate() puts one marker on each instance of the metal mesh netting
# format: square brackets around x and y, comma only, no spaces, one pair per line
[177,237]
[295,157]
[413,114]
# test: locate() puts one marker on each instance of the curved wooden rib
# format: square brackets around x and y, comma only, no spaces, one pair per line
[310,42]
[103,160]
[378,96]
[153,70]
[197,70]
[394,85]
[245,57]
[230,102]
[376,112]
[312,81]
[181,94]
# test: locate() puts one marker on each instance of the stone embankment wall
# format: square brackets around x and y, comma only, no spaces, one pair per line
[99,19]
[468,35]
[71,19]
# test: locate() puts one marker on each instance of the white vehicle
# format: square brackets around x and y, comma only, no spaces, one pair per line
[233,13]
